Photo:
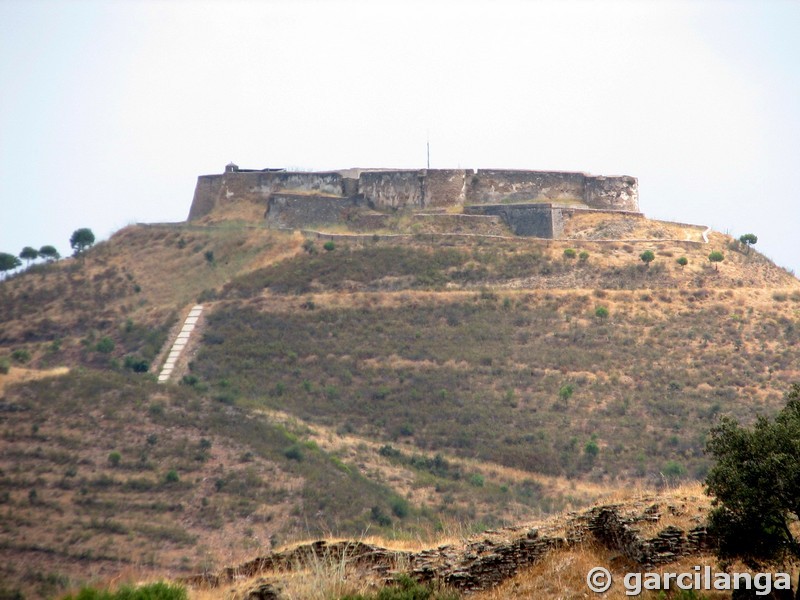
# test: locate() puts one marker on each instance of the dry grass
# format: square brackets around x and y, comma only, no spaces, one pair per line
[594,226]
[562,576]
[21,375]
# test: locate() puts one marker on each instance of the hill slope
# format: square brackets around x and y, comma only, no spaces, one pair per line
[408,386]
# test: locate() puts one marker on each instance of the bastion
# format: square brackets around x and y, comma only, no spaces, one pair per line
[531,203]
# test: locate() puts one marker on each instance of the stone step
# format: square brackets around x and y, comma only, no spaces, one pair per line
[180,342]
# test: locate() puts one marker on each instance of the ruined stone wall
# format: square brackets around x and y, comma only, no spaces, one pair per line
[487,560]
[492,186]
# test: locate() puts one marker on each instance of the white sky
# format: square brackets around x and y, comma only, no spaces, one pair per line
[110,110]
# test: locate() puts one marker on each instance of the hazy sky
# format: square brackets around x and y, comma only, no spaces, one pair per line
[110,110]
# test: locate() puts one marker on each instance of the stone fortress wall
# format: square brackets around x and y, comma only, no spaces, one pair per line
[532,203]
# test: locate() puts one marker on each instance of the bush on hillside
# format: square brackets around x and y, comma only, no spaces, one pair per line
[151,591]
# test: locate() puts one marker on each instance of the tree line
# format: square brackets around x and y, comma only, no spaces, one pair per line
[81,240]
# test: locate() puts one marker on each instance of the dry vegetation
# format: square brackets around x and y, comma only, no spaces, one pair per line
[414,389]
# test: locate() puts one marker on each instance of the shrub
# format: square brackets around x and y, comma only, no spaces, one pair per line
[476,479]
[673,470]
[329,246]
[136,364]
[399,507]
[309,247]
[591,449]
[114,458]
[209,256]
[21,355]
[294,452]
[407,588]
[190,380]
[570,253]
[682,261]
[601,312]
[380,517]
[565,392]
[171,476]
[105,345]
[583,256]
[5,366]
[150,591]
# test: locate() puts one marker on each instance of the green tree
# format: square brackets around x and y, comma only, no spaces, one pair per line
[81,239]
[601,312]
[716,257]
[28,254]
[329,246]
[647,257]
[49,253]
[755,485]
[570,253]
[749,239]
[682,261]
[8,262]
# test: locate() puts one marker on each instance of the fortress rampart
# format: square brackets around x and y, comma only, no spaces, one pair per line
[531,202]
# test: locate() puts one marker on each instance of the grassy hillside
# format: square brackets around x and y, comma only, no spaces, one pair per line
[411,387]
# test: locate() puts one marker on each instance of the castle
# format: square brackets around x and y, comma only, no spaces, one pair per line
[530,203]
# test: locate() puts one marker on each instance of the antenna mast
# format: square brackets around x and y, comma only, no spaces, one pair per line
[429,149]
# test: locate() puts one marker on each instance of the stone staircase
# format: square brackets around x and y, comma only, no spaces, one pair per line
[180,343]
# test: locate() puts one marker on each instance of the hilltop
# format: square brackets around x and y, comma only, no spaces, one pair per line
[430,375]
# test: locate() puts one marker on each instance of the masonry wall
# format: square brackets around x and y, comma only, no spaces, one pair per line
[420,188]
[491,186]
[614,193]
[444,187]
[392,189]
[533,220]
[299,211]
[206,193]
[257,186]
